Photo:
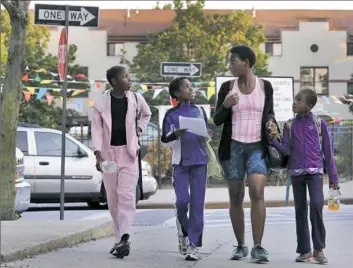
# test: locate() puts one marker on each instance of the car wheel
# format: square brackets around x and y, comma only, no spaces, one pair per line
[99,204]
[138,193]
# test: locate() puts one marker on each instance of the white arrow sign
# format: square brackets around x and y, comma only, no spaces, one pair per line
[192,69]
[82,16]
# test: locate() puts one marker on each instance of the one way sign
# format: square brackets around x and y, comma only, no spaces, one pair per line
[187,69]
[55,15]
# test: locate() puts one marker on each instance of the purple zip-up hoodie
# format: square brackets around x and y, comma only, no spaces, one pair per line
[304,150]
[189,149]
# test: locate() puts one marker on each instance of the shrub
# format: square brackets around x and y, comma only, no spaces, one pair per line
[164,157]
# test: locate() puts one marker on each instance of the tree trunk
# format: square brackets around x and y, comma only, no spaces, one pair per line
[12,96]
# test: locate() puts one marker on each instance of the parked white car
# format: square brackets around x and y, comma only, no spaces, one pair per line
[83,183]
[23,190]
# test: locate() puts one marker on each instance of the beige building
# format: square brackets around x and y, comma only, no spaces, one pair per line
[315,47]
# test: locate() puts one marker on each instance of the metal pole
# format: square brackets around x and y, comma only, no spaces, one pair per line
[1,92]
[159,159]
[63,121]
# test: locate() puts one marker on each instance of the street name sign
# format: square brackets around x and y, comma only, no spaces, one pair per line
[187,69]
[55,15]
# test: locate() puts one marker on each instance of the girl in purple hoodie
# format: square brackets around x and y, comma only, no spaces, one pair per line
[307,143]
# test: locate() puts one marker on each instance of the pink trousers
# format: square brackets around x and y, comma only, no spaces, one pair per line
[121,190]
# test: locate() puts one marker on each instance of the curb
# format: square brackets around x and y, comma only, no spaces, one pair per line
[93,233]
[225,205]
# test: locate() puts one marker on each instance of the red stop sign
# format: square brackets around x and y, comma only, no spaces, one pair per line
[62,55]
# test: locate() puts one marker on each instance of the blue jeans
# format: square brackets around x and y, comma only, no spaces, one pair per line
[245,159]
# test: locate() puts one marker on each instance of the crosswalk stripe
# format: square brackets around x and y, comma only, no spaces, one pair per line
[280,216]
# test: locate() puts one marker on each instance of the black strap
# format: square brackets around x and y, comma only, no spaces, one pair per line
[139,152]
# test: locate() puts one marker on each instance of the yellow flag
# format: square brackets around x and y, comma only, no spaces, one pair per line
[46,81]
[31,90]
[77,91]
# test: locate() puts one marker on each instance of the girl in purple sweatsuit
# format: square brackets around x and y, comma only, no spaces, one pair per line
[189,167]
[306,140]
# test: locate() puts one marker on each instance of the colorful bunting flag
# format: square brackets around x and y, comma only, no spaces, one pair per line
[25,77]
[37,79]
[41,92]
[77,91]
[31,90]
[49,98]
[45,82]
[27,95]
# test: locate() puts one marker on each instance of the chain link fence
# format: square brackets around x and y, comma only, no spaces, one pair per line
[159,157]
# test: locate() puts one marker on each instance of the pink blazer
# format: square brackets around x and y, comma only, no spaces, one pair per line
[102,122]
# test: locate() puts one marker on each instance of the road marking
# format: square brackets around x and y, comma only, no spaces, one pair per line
[275,216]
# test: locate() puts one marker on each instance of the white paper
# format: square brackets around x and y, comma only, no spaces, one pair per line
[196,126]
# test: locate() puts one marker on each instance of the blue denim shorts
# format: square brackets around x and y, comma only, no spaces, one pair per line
[245,159]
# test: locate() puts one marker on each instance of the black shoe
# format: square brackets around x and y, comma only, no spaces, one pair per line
[113,248]
[122,249]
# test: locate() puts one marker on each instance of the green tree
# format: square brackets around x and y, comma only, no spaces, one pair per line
[36,40]
[40,113]
[10,102]
[197,37]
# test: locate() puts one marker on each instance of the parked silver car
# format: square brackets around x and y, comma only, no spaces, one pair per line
[23,188]
[83,183]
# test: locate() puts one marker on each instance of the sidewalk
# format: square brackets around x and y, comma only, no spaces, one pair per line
[24,239]
[218,197]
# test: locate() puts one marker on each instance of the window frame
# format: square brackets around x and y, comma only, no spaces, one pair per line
[314,68]
[114,44]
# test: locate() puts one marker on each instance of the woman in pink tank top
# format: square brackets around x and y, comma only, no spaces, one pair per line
[244,107]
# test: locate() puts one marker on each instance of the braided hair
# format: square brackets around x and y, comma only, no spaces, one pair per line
[174,86]
[310,96]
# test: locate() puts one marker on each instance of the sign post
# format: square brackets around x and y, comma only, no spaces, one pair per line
[187,69]
[65,16]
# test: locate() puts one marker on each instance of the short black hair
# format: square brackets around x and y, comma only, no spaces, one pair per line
[174,86]
[310,96]
[114,72]
[245,53]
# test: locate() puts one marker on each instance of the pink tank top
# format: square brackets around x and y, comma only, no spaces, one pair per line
[247,114]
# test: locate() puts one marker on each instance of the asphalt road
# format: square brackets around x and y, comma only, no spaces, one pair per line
[157,246]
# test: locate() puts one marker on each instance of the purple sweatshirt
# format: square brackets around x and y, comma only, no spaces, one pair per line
[303,148]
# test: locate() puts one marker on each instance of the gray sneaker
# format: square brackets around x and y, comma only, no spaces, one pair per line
[320,257]
[183,244]
[305,257]
[259,254]
[240,253]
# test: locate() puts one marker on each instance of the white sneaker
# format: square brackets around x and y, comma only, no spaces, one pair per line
[183,244]
[193,254]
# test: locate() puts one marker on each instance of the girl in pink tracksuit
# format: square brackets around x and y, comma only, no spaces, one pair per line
[115,131]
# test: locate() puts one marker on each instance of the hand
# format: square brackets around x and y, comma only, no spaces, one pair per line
[210,133]
[334,186]
[139,132]
[231,100]
[179,132]
[271,129]
[99,160]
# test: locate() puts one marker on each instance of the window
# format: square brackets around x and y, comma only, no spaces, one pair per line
[49,144]
[115,49]
[350,49]
[350,88]
[315,78]
[22,142]
[273,49]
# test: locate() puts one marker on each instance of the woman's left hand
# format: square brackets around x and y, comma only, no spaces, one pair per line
[271,129]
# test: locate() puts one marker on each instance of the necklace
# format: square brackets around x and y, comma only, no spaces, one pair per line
[117,97]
